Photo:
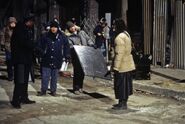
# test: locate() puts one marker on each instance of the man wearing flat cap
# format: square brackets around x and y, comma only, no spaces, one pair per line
[22,46]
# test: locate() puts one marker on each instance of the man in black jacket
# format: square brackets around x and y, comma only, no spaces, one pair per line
[22,46]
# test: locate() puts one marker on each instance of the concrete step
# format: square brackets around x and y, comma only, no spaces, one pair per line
[174,74]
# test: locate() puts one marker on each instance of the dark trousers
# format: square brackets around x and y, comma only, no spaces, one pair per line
[21,77]
[78,72]
[9,69]
[123,85]
[9,65]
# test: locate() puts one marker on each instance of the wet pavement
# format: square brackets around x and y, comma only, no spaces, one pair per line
[94,105]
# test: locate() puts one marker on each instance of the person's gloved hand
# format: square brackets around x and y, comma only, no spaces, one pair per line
[68,59]
[108,73]
[94,46]
[115,71]
[110,70]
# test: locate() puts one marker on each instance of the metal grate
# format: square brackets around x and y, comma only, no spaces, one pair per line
[89,25]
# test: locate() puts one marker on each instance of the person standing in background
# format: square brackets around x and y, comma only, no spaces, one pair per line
[100,37]
[74,39]
[82,39]
[106,31]
[7,34]
[2,46]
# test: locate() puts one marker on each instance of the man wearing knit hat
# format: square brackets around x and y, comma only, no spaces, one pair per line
[75,38]
[53,47]
[12,20]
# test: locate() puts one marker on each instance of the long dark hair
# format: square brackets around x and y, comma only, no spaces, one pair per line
[120,26]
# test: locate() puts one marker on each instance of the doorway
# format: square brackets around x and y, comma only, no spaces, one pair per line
[135,25]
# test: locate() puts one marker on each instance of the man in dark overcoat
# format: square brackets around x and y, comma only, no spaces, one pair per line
[22,46]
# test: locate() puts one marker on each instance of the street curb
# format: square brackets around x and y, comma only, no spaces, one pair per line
[178,95]
[155,90]
[165,76]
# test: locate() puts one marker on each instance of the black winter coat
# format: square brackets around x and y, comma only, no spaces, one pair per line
[53,49]
[22,44]
[100,39]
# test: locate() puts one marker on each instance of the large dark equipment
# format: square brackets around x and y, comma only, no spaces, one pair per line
[143,69]
[92,61]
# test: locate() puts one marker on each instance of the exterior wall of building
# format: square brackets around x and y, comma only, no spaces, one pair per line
[156,24]
[93,9]
[53,10]
[147,25]
[159,31]
[165,30]
[178,43]
[124,10]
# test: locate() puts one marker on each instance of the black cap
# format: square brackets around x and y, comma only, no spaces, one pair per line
[54,24]
[28,17]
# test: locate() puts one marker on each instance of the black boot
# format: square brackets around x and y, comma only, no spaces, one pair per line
[15,104]
[117,105]
[122,105]
[27,101]
[42,93]
[53,94]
